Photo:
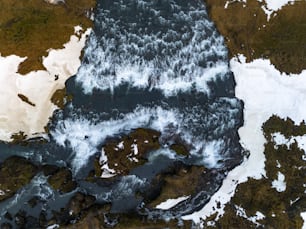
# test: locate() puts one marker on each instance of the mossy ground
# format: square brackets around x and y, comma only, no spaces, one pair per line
[183,181]
[62,180]
[281,209]
[19,138]
[15,172]
[121,155]
[60,98]
[246,31]
[31,27]
[123,159]
[95,219]
[180,149]
[26,100]
[96,216]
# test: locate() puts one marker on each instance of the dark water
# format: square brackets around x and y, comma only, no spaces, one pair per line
[156,64]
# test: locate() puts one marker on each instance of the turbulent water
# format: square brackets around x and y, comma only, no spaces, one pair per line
[156,64]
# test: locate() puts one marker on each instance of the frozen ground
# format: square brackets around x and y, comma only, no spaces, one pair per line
[171,202]
[37,86]
[265,91]
[270,7]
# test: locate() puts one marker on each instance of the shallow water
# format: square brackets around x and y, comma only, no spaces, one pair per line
[152,64]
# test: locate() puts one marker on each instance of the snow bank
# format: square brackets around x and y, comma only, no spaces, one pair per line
[279,184]
[275,5]
[265,91]
[55,1]
[303,215]
[269,8]
[280,139]
[38,86]
[171,203]
[258,215]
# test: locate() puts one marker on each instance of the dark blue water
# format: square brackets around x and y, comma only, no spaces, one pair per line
[156,64]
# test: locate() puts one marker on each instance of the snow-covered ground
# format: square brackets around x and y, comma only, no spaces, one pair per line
[280,139]
[265,91]
[279,184]
[303,215]
[37,86]
[275,5]
[55,1]
[270,6]
[171,203]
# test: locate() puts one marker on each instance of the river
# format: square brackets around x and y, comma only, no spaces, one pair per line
[158,64]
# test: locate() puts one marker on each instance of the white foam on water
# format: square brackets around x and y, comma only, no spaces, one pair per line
[12,202]
[41,187]
[38,185]
[211,152]
[125,188]
[38,86]
[187,55]
[84,136]
[162,152]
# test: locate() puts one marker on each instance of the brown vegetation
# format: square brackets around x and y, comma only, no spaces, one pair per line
[247,31]
[31,27]
[281,209]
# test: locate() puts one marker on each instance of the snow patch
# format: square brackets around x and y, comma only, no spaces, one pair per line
[37,86]
[106,171]
[279,184]
[258,216]
[303,215]
[53,226]
[275,5]
[134,147]
[231,1]
[125,188]
[280,139]
[84,136]
[71,133]
[269,8]
[171,203]
[121,145]
[265,91]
